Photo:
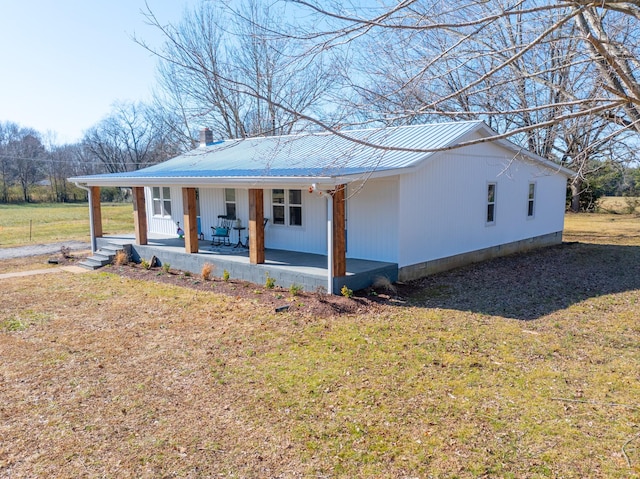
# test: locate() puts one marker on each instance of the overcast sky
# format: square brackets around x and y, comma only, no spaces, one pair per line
[63,63]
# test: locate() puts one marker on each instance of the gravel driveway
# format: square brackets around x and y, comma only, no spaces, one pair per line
[39,249]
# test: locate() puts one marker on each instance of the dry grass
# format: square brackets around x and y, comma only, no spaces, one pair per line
[113,377]
[30,263]
[602,228]
[207,271]
[619,204]
[121,258]
[25,264]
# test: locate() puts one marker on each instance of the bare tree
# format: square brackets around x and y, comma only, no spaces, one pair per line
[226,68]
[8,134]
[559,78]
[21,155]
[475,59]
[127,140]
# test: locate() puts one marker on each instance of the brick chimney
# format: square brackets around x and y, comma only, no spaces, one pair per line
[206,137]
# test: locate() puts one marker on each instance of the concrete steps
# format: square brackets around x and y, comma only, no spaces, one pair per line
[102,257]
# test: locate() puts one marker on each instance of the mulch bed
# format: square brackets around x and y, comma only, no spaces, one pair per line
[316,304]
[280,299]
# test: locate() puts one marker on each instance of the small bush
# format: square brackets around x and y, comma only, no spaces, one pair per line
[631,204]
[121,259]
[187,274]
[295,289]
[346,292]
[225,275]
[145,264]
[166,267]
[207,269]
[270,282]
[321,291]
[65,252]
[384,283]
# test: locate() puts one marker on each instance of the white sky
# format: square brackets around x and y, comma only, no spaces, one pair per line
[63,63]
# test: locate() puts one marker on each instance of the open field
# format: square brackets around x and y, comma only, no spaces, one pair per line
[619,204]
[602,228]
[51,222]
[522,367]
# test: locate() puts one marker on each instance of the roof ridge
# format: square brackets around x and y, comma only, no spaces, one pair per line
[358,130]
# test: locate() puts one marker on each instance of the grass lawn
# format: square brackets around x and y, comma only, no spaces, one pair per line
[113,377]
[52,222]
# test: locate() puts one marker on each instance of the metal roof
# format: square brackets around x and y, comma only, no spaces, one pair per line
[305,156]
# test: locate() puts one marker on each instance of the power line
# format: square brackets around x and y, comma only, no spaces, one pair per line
[47,160]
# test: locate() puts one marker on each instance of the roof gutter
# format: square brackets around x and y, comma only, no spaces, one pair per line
[210,182]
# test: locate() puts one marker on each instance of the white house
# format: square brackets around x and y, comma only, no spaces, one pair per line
[406,195]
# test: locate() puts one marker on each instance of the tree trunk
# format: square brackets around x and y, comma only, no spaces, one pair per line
[576,188]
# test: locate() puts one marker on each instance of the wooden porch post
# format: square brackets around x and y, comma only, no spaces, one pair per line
[96,211]
[139,215]
[189,218]
[339,239]
[256,226]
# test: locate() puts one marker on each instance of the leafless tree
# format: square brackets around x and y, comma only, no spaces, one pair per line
[527,67]
[127,140]
[8,134]
[21,155]
[559,78]
[226,68]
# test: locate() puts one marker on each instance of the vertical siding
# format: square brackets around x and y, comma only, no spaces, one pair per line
[443,204]
[311,237]
[372,220]
[164,226]
[211,205]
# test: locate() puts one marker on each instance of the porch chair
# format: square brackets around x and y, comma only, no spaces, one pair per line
[220,233]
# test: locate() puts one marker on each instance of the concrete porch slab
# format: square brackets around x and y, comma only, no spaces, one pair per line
[286,267]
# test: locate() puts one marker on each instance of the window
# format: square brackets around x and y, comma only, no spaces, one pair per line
[287,207]
[230,203]
[161,201]
[295,207]
[491,203]
[531,201]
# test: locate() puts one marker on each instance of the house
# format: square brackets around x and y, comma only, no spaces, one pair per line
[406,196]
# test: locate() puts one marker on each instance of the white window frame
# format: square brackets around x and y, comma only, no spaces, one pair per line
[531,200]
[231,202]
[287,204]
[160,201]
[490,210]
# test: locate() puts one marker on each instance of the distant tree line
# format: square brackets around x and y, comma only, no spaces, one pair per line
[34,168]
[608,178]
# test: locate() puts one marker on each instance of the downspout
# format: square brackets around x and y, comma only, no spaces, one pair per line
[94,244]
[329,243]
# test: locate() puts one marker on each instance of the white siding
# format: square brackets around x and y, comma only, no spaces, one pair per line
[372,220]
[161,225]
[211,205]
[443,204]
[311,237]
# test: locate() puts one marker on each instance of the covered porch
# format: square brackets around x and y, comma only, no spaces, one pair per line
[335,262]
[287,267]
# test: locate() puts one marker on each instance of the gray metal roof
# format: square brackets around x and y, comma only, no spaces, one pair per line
[304,156]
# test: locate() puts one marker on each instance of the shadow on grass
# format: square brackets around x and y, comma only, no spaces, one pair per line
[531,285]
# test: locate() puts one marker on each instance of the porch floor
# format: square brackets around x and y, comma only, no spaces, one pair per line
[286,267]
